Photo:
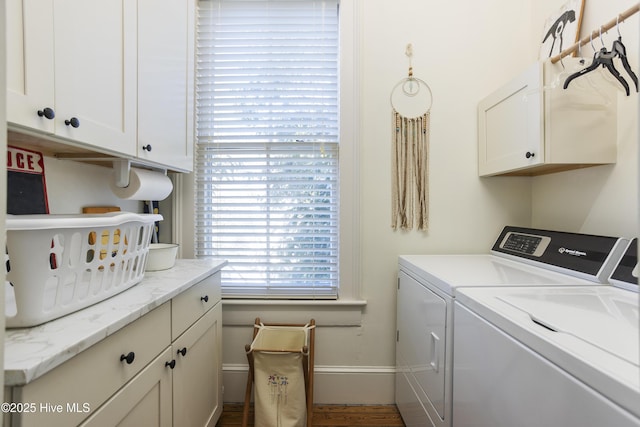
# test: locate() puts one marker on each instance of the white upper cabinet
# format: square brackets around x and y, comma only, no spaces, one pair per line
[74,60]
[108,76]
[30,80]
[533,126]
[166,46]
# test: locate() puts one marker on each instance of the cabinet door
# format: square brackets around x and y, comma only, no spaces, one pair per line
[30,81]
[144,401]
[166,46]
[95,72]
[197,377]
[510,125]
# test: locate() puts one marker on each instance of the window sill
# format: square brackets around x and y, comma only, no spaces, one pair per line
[242,312]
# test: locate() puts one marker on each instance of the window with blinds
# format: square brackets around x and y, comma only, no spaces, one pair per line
[267,145]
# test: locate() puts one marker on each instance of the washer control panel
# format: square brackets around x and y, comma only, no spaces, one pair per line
[591,256]
[525,243]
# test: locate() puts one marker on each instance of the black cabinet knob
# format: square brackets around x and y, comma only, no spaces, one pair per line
[205,298]
[47,113]
[171,364]
[182,351]
[146,147]
[73,122]
[128,357]
[530,154]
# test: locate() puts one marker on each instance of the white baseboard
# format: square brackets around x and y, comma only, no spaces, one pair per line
[350,385]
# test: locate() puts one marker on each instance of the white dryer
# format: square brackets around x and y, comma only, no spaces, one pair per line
[552,356]
[428,285]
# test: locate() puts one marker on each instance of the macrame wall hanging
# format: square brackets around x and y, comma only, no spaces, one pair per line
[411,101]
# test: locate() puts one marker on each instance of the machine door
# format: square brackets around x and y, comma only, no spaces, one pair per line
[421,338]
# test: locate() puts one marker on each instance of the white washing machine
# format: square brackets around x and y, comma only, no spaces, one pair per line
[549,356]
[427,289]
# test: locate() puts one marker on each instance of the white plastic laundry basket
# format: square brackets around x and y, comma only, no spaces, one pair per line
[58,264]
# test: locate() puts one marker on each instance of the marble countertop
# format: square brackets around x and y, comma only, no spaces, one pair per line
[31,352]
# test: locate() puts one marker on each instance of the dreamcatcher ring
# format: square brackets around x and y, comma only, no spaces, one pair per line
[411,87]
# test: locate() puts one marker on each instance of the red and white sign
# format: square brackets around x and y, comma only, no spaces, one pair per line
[22,160]
[26,184]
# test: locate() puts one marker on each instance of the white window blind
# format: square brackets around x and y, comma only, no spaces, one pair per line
[267,145]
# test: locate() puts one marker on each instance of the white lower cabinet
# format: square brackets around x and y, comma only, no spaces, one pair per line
[163,369]
[89,379]
[144,401]
[197,377]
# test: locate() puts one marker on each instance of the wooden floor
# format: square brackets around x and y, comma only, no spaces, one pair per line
[329,416]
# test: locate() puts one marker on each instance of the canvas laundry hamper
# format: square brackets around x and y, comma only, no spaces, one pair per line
[281,370]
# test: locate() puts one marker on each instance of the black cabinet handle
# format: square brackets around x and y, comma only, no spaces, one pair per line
[182,351]
[530,154]
[128,358]
[146,147]
[47,113]
[205,298]
[171,364]
[73,121]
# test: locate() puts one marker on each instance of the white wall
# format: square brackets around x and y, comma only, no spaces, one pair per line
[73,185]
[598,200]
[463,50]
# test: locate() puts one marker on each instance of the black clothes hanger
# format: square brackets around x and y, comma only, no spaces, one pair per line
[602,57]
[621,52]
